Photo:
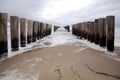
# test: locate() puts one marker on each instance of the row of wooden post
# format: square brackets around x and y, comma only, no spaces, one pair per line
[30,31]
[55,28]
[67,28]
[101,31]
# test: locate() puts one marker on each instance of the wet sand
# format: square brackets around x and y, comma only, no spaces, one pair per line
[64,62]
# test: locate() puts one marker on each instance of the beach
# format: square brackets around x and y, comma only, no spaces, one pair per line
[61,56]
[63,62]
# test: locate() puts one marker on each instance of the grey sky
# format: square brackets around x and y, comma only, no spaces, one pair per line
[62,12]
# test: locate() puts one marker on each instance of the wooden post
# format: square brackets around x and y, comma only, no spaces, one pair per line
[84,30]
[41,30]
[14,23]
[85,25]
[96,32]
[38,31]
[91,31]
[29,31]
[55,28]
[47,27]
[44,29]
[35,29]
[50,29]
[3,33]
[67,28]
[80,30]
[23,32]
[102,32]
[110,24]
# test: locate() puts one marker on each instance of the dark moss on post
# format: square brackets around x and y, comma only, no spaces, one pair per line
[110,24]
[23,32]
[3,33]
[29,31]
[14,24]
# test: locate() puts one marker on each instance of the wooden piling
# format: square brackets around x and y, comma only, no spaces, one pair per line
[91,31]
[102,32]
[35,30]
[67,28]
[29,31]
[110,24]
[85,33]
[3,33]
[55,28]
[41,30]
[14,24]
[23,32]
[38,32]
[80,30]
[96,32]
[44,29]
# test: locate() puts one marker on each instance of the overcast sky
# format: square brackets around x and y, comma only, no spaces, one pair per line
[62,12]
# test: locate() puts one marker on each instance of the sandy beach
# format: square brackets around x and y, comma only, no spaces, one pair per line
[63,62]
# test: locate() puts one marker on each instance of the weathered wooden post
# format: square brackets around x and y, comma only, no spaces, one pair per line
[50,29]
[44,29]
[29,31]
[14,23]
[41,30]
[38,31]
[110,24]
[84,30]
[91,31]
[23,32]
[77,30]
[3,33]
[80,30]
[67,28]
[35,29]
[96,32]
[102,32]
[85,25]
[55,28]
[47,27]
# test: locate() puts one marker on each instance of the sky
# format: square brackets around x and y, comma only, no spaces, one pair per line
[62,12]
